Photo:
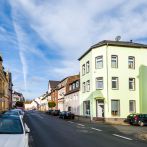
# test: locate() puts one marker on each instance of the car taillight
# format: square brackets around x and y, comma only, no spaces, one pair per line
[136,117]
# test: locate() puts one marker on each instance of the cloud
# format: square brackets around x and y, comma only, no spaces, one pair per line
[68,29]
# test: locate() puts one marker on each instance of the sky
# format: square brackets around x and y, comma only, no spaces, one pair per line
[41,40]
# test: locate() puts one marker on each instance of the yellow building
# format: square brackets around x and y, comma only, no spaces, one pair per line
[5,90]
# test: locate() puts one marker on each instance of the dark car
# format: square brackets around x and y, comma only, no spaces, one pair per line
[66,115]
[137,119]
[55,112]
[49,112]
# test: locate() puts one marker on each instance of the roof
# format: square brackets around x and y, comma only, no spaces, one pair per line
[73,91]
[115,43]
[53,84]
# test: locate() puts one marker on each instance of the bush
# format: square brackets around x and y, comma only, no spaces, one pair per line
[51,104]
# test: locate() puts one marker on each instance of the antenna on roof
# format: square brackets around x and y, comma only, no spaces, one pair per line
[117,38]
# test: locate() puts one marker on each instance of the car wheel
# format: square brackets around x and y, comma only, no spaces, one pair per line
[141,123]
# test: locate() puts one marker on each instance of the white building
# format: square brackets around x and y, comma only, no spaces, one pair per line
[71,99]
[112,79]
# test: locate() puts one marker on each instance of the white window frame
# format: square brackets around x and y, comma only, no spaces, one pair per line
[99,83]
[115,112]
[133,102]
[116,80]
[88,85]
[99,62]
[73,86]
[83,69]
[114,59]
[87,67]
[131,62]
[77,84]
[84,87]
[132,82]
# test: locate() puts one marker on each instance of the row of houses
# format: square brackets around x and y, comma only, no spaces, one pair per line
[112,82]
[5,88]
[8,97]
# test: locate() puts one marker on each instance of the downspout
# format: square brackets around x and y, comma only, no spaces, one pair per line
[107,75]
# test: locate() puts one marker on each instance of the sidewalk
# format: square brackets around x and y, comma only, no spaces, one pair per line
[125,128]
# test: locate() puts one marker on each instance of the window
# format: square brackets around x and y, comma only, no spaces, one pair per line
[99,83]
[99,62]
[132,83]
[84,88]
[69,108]
[86,107]
[77,84]
[114,61]
[73,85]
[132,106]
[115,107]
[87,67]
[131,62]
[83,69]
[114,82]
[88,85]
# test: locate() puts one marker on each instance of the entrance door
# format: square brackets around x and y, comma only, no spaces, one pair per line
[100,108]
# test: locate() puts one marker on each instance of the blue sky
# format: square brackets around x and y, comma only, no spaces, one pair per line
[41,40]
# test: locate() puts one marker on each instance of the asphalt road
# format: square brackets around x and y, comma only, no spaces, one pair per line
[49,131]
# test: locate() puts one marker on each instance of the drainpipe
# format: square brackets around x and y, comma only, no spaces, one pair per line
[107,75]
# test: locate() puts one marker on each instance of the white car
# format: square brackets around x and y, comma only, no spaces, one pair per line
[13,132]
[19,111]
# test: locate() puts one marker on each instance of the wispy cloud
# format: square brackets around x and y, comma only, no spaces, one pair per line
[52,35]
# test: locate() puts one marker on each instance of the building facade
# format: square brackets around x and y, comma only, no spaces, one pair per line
[113,80]
[53,92]
[71,99]
[16,96]
[63,87]
[5,88]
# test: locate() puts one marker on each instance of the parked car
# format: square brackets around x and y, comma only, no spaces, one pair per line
[55,112]
[137,119]
[49,112]
[13,132]
[66,115]
[20,111]
[16,113]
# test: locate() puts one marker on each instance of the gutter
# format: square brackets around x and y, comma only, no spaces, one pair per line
[107,75]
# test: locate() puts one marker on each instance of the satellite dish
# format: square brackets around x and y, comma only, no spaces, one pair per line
[117,38]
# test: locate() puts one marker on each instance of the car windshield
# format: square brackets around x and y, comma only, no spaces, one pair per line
[10,126]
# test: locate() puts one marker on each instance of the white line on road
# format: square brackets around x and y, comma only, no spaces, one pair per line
[81,125]
[71,122]
[96,129]
[122,137]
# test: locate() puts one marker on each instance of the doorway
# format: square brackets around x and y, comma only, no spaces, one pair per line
[100,108]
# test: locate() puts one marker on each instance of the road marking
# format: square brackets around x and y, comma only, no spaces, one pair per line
[81,125]
[96,129]
[122,137]
[71,122]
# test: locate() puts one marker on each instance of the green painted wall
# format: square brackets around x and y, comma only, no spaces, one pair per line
[143,89]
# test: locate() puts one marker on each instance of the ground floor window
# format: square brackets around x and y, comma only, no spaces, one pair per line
[115,107]
[69,108]
[86,107]
[132,106]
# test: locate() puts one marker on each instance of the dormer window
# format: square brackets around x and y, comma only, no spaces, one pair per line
[77,84]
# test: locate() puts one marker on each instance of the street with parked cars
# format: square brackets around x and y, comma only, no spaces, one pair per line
[59,129]
[49,130]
